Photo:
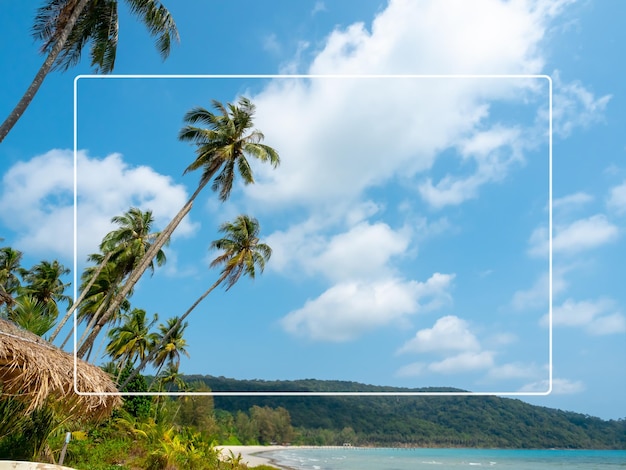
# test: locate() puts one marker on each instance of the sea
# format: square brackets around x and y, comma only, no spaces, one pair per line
[358,458]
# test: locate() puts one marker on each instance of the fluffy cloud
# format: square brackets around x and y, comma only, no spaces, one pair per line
[464,362]
[450,336]
[597,317]
[559,387]
[617,198]
[470,361]
[448,333]
[493,163]
[575,106]
[513,370]
[537,296]
[343,135]
[349,309]
[361,252]
[580,235]
[571,201]
[37,200]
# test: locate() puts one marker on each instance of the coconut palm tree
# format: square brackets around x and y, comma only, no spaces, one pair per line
[172,348]
[220,148]
[170,376]
[44,283]
[132,339]
[128,244]
[32,314]
[242,254]
[223,145]
[66,26]
[84,291]
[10,268]
[120,251]
[99,285]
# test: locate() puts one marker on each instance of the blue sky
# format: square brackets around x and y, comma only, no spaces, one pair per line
[409,216]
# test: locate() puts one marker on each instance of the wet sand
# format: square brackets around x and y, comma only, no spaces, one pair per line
[251,455]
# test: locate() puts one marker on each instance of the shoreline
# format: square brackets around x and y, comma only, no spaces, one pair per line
[251,455]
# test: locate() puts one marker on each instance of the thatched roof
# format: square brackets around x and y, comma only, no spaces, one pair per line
[34,370]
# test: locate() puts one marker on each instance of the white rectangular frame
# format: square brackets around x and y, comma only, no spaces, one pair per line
[305,76]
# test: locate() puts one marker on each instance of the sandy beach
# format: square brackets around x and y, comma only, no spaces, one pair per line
[250,454]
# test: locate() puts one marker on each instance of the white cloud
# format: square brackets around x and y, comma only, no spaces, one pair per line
[575,106]
[580,235]
[597,317]
[617,198]
[559,386]
[485,36]
[449,333]
[537,296]
[469,361]
[464,362]
[37,200]
[349,309]
[513,370]
[571,201]
[361,252]
[608,324]
[493,164]
[341,136]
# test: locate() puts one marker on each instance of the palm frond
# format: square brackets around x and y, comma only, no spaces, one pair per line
[158,21]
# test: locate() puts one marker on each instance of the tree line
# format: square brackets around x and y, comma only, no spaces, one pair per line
[468,421]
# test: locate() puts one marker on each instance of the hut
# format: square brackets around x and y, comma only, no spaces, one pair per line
[33,370]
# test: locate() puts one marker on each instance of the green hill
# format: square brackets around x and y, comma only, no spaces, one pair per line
[471,421]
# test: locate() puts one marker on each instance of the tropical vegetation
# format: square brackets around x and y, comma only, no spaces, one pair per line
[184,437]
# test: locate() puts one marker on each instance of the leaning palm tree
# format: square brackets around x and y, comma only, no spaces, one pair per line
[131,340]
[242,254]
[128,244]
[121,249]
[66,26]
[220,148]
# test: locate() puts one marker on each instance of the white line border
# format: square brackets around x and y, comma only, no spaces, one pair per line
[330,76]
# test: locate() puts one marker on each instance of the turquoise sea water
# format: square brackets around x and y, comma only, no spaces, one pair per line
[442,459]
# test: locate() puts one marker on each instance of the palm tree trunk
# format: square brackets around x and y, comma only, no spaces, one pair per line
[47,65]
[176,325]
[96,315]
[156,375]
[134,277]
[81,297]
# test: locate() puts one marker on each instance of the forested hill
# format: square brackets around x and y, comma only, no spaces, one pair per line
[473,421]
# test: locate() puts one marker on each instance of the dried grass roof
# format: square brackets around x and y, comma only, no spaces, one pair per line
[34,370]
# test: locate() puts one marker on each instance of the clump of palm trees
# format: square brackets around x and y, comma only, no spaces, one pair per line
[30,297]
[222,148]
